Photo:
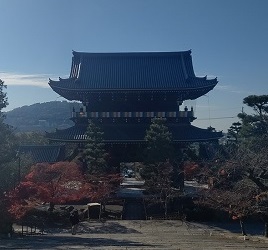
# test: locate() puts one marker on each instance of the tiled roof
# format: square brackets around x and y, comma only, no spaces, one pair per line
[140,71]
[131,133]
[44,153]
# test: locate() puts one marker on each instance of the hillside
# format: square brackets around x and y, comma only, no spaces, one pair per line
[42,116]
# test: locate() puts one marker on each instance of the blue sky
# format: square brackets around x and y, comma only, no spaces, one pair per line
[228,39]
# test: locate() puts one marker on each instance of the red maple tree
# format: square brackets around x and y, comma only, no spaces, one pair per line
[49,183]
[59,183]
[103,186]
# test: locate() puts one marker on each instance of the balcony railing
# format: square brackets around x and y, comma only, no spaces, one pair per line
[158,114]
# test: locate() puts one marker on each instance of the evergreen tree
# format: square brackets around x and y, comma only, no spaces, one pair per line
[255,124]
[6,146]
[159,141]
[94,151]
[159,148]
[6,134]
[3,97]
[160,172]
[233,131]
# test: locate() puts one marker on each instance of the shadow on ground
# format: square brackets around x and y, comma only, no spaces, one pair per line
[104,228]
[65,242]
[251,228]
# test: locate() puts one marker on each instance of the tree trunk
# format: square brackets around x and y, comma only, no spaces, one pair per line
[242,227]
[51,206]
[266,229]
[256,180]
[166,208]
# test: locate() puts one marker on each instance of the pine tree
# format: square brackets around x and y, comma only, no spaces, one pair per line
[6,141]
[159,148]
[233,131]
[94,152]
[6,146]
[255,124]
[3,97]
[158,171]
[159,141]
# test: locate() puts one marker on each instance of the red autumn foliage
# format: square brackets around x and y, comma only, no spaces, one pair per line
[234,217]
[57,184]
[190,169]
[103,186]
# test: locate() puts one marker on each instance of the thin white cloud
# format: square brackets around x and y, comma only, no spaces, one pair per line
[231,89]
[39,80]
[223,87]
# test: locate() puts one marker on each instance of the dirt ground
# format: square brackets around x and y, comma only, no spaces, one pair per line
[123,234]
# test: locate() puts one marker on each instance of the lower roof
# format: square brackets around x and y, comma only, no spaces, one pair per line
[44,153]
[134,133]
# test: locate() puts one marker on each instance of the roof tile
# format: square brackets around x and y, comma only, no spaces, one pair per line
[122,133]
[132,71]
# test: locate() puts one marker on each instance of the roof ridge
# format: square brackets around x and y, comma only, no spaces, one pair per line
[132,53]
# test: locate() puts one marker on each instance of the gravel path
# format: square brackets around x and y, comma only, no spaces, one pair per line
[138,235]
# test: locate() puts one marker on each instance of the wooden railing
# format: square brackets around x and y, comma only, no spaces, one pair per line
[133,114]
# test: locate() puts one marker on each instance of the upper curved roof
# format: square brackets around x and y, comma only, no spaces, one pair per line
[135,71]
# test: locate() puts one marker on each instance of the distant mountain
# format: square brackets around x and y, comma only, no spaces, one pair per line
[42,116]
